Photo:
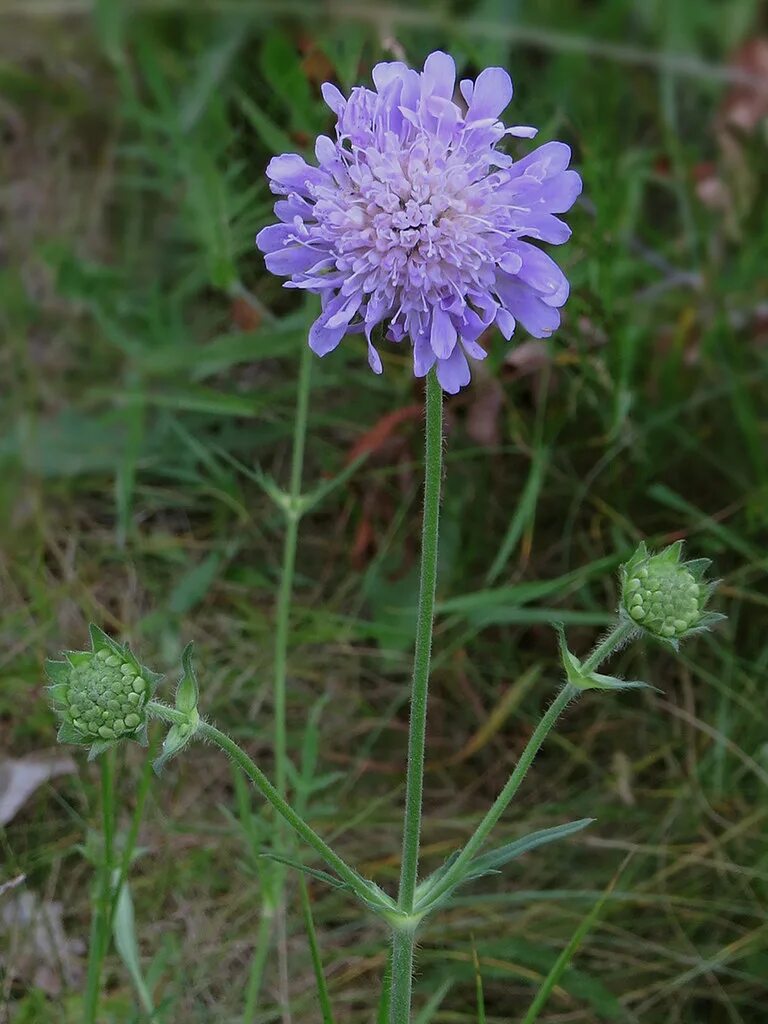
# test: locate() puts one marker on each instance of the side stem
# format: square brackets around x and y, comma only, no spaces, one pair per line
[613,640]
[205,731]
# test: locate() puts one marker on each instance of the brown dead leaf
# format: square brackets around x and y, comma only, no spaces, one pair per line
[35,947]
[364,542]
[528,357]
[486,400]
[375,438]
[316,65]
[731,188]
[745,105]
[245,315]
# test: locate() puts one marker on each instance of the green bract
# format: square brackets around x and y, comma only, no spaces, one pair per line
[187,696]
[101,695]
[665,596]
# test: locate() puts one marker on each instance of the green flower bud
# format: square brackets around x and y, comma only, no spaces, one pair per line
[665,596]
[100,695]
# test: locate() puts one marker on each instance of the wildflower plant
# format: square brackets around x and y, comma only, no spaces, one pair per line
[417,228]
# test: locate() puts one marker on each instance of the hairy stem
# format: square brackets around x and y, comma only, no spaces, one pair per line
[403,941]
[423,649]
[403,947]
[604,648]
[102,911]
[204,730]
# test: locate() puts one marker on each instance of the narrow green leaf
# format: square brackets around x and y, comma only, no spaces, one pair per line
[558,968]
[524,514]
[321,876]
[478,986]
[504,854]
[273,137]
[427,1014]
[314,949]
[385,997]
[193,586]
[124,931]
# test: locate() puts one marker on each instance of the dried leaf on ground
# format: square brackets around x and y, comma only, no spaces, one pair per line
[486,400]
[19,778]
[36,949]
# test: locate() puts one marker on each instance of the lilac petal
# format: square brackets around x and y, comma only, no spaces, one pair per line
[511,262]
[536,316]
[492,93]
[387,72]
[472,325]
[333,98]
[505,322]
[473,349]
[274,237]
[343,315]
[423,356]
[467,88]
[453,372]
[542,273]
[439,75]
[292,171]
[325,150]
[447,114]
[544,226]
[522,131]
[322,339]
[294,260]
[543,162]
[374,359]
[443,334]
[292,207]
[561,192]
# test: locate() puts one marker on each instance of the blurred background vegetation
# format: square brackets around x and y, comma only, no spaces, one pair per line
[148,366]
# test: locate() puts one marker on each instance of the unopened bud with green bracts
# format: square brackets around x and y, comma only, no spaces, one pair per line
[101,695]
[665,596]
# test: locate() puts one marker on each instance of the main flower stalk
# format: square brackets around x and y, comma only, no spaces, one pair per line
[402,959]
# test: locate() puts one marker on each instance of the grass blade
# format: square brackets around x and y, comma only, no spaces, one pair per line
[559,966]
[317,963]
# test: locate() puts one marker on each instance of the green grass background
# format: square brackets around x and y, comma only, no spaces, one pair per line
[148,364]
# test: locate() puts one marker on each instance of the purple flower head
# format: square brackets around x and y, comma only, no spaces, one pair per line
[414,220]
